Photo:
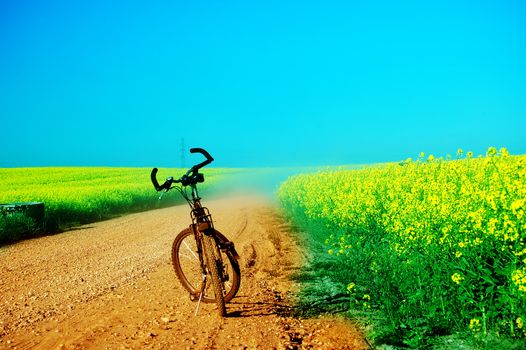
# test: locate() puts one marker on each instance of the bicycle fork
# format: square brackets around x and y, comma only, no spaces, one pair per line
[225,245]
[203,285]
[199,239]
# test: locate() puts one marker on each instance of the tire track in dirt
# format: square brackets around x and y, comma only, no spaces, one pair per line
[110,285]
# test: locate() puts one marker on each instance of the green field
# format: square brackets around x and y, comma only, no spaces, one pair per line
[425,252]
[79,195]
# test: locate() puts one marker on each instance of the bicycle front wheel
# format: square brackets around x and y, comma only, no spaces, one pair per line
[213,263]
[187,266]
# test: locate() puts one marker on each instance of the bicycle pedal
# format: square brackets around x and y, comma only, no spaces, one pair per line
[194,297]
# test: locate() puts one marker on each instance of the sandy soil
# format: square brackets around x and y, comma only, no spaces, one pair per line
[110,285]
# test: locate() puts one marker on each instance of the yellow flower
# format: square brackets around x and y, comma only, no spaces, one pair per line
[350,287]
[474,325]
[457,278]
[519,278]
[458,254]
[519,322]
[491,152]
[517,207]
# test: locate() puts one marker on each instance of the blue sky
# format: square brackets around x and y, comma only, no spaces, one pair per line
[258,83]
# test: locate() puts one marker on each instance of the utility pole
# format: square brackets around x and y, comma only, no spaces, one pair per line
[182,153]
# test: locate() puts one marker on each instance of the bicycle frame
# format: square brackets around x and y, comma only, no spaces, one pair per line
[202,223]
[217,255]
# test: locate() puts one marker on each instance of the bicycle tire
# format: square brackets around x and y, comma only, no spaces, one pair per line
[212,261]
[187,267]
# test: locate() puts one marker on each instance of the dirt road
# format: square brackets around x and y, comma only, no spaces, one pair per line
[110,285]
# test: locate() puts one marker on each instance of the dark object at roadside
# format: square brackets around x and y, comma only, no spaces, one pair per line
[19,220]
[33,210]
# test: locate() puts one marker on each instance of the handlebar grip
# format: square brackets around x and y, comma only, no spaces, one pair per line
[153,176]
[203,152]
[208,160]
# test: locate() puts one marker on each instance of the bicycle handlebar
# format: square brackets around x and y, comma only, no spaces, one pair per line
[166,185]
[153,176]
[186,179]
[208,160]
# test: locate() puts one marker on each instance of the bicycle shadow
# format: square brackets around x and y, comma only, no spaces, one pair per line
[245,307]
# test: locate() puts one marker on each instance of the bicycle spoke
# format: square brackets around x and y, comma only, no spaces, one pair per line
[191,251]
[228,285]
[188,257]
[187,264]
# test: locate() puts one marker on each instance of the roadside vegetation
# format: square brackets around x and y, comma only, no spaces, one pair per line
[79,195]
[426,253]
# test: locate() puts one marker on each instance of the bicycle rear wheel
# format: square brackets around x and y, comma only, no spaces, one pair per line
[187,267]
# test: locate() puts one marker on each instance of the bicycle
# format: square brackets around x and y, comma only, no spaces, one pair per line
[204,260]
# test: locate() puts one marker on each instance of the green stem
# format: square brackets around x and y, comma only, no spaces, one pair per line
[484,321]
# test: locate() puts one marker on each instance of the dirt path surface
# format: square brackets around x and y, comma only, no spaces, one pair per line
[110,285]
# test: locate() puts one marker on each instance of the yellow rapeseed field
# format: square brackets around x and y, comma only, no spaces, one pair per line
[459,222]
[74,195]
